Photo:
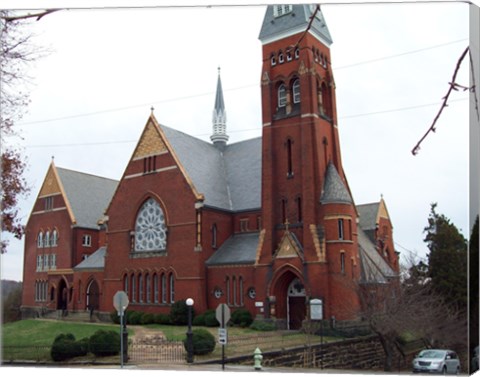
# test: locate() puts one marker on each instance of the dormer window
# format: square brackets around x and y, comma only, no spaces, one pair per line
[281,10]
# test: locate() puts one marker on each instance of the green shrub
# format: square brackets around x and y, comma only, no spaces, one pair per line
[147,318]
[210,318]
[199,320]
[134,318]
[242,318]
[203,342]
[206,319]
[105,343]
[179,313]
[263,326]
[65,347]
[162,319]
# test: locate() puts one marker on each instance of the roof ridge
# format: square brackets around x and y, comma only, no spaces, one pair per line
[84,173]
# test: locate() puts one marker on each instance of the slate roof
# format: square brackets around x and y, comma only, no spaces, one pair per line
[334,190]
[229,179]
[95,261]
[374,269]
[240,248]
[293,22]
[88,195]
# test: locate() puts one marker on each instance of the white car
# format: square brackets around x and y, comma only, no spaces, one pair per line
[436,361]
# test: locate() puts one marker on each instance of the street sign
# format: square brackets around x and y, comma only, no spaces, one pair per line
[120,302]
[222,314]
[222,336]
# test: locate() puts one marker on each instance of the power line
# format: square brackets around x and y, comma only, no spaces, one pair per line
[124,108]
[239,131]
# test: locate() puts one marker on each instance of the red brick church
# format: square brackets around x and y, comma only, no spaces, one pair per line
[265,224]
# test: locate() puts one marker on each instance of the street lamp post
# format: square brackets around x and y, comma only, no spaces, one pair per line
[189,303]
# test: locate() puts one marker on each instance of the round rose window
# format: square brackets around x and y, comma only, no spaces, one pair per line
[150,228]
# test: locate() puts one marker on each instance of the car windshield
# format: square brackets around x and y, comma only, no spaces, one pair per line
[431,354]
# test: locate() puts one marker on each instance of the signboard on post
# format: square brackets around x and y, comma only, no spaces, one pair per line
[120,302]
[223,315]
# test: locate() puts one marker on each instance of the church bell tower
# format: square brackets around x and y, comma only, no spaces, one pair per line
[305,195]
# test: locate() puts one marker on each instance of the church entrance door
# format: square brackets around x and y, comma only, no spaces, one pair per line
[296,307]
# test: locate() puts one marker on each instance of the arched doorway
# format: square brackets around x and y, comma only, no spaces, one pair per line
[296,304]
[62,295]
[93,296]
[289,306]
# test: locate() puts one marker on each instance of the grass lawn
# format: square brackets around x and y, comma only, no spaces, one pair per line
[36,332]
[31,339]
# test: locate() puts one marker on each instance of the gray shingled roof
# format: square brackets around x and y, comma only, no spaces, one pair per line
[238,249]
[374,268]
[95,261]
[368,218]
[231,179]
[296,21]
[88,195]
[334,190]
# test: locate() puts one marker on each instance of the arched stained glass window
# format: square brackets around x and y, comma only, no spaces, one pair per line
[150,228]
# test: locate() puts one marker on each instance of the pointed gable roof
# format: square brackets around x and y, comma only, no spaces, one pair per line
[277,25]
[86,196]
[369,216]
[229,180]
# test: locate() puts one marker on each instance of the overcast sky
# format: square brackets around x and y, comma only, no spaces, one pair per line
[91,97]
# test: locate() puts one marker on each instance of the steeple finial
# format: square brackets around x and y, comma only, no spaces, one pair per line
[219,121]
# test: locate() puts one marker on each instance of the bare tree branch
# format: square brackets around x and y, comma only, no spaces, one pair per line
[38,16]
[453,86]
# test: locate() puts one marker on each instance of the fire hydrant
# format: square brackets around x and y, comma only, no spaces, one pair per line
[257,359]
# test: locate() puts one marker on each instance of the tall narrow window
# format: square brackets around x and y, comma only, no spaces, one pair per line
[172,288]
[296,91]
[47,239]
[40,239]
[164,289]
[140,288]
[289,158]
[125,285]
[148,288]
[340,229]
[234,284]
[282,96]
[54,241]
[342,263]
[299,209]
[155,289]
[240,289]
[134,289]
[227,289]
[214,235]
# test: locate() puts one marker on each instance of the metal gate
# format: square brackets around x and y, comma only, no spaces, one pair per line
[157,352]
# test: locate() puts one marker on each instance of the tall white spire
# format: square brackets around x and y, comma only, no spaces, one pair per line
[219,120]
